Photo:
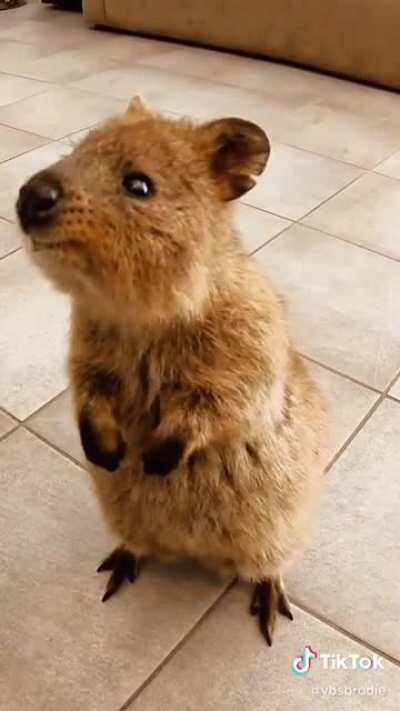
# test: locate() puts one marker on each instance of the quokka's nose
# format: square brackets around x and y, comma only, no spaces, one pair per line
[38,200]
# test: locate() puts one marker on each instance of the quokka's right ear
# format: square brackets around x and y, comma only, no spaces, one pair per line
[237,150]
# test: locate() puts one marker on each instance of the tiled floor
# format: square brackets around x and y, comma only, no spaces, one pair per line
[324,222]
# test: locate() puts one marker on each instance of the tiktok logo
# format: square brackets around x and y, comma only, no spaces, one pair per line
[302,664]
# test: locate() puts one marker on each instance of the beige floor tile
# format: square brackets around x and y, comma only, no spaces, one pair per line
[348,403]
[365,213]
[55,422]
[181,94]
[14,173]
[391,166]
[191,61]
[331,116]
[69,64]
[218,66]
[351,573]
[6,424]
[226,665]
[14,142]
[105,51]
[9,237]
[59,111]
[256,226]
[296,181]
[167,91]
[54,36]
[16,88]
[34,325]
[128,49]
[338,317]
[346,133]
[61,648]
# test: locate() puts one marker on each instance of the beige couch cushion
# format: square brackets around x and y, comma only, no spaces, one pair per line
[358,38]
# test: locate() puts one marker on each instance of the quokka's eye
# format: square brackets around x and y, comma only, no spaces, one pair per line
[138,184]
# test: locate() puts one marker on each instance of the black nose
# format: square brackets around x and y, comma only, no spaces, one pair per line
[38,200]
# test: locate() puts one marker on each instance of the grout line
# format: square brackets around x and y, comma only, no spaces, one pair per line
[349,241]
[131,699]
[299,222]
[344,632]
[53,446]
[42,407]
[46,139]
[361,424]
[389,155]
[351,182]
[9,432]
[384,175]
[354,433]
[46,142]
[4,256]
[45,82]
[6,412]
[268,212]
[349,164]
[59,85]
[362,168]
[339,372]
[16,423]
[271,239]
[304,608]
[22,130]
[84,128]
[393,398]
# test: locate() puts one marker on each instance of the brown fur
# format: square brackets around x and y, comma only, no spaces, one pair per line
[177,338]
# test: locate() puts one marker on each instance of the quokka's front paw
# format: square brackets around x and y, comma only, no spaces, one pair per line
[97,450]
[162,456]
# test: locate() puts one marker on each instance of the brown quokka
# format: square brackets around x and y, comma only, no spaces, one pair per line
[204,432]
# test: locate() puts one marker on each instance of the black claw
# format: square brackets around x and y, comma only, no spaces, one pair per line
[268,599]
[286,612]
[108,563]
[264,611]
[255,601]
[124,566]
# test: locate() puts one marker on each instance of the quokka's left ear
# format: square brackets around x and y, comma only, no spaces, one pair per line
[138,109]
[237,150]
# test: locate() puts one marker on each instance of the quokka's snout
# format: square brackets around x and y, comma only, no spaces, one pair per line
[38,200]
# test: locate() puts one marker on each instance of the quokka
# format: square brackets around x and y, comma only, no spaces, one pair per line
[204,433]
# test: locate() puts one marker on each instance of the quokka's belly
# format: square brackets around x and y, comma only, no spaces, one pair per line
[226,519]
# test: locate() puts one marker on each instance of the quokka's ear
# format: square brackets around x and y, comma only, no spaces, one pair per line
[138,109]
[237,150]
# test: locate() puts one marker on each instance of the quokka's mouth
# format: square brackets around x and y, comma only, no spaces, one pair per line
[53,243]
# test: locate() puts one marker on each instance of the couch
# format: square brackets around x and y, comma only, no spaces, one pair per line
[354,38]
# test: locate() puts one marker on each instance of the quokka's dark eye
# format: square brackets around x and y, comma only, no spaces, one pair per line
[138,184]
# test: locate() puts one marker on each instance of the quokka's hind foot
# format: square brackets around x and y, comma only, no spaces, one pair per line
[124,566]
[268,599]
